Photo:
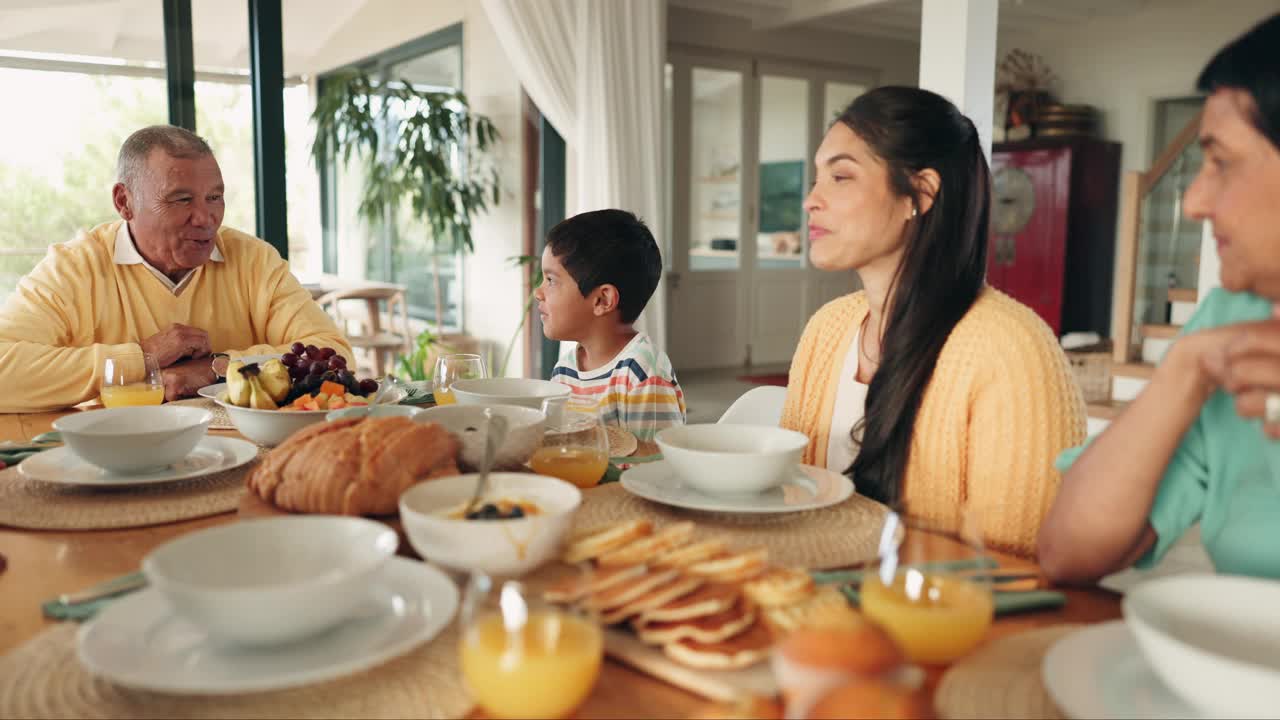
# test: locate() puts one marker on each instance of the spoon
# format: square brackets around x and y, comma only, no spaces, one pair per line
[495,433]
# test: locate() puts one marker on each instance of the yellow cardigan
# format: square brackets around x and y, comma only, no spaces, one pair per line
[77,306]
[1001,405]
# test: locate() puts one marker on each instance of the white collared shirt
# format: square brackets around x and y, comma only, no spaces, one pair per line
[126,253]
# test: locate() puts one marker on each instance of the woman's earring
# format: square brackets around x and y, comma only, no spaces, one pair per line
[914,212]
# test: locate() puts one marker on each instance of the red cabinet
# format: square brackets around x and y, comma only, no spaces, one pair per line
[1052,240]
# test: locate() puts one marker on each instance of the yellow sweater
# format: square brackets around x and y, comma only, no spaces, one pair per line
[999,408]
[78,306]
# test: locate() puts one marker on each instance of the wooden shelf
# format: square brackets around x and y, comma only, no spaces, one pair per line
[1184,295]
[1161,332]
[1108,410]
[1143,371]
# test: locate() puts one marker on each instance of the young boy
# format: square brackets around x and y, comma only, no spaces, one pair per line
[599,270]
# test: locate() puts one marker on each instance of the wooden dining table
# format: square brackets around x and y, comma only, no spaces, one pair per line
[43,564]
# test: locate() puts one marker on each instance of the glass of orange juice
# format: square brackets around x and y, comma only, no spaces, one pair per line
[930,591]
[521,658]
[575,447]
[122,386]
[451,368]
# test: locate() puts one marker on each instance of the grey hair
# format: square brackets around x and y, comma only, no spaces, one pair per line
[175,141]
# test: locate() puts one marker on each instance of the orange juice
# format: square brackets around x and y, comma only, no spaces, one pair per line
[947,618]
[545,669]
[579,465]
[445,397]
[132,394]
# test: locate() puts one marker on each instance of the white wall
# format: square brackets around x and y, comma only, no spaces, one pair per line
[896,62]
[494,291]
[1122,65]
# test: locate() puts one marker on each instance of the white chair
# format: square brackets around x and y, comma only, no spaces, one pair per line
[757,406]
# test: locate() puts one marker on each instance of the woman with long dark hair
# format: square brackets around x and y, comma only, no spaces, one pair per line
[1201,443]
[928,388]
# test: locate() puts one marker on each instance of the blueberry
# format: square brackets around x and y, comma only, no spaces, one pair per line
[489,509]
[517,512]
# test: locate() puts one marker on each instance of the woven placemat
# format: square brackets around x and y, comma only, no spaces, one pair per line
[43,679]
[837,536]
[1002,679]
[36,505]
[220,419]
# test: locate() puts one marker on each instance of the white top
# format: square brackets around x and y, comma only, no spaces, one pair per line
[850,406]
[126,253]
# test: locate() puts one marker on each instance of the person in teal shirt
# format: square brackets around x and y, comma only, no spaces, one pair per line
[1201,443]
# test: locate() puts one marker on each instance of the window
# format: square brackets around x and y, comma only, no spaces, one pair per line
[399,251]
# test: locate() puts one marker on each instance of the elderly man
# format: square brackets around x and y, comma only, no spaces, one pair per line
[166,280]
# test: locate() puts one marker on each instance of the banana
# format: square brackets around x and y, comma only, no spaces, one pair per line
[259,398]
[237,387]
[274,377]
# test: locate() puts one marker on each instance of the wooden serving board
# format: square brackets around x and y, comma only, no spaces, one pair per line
[620,644]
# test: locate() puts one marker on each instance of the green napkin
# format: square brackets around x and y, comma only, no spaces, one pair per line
[1006,602]
[614,473]
[13,453]
[55,609]
[845,577]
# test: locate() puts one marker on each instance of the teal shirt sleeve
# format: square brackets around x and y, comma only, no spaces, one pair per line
[1183,489]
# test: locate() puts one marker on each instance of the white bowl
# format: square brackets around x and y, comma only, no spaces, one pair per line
[272,427]
[134,439]
[508,391]
[726,459]
[375,411]
[1213,639]
[497,547]
[525,428]
[274,580]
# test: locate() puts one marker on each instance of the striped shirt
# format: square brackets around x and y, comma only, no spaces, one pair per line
[637,390]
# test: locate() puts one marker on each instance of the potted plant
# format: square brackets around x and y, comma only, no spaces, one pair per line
[422,150]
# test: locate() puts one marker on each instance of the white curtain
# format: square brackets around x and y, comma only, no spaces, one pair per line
[595,70]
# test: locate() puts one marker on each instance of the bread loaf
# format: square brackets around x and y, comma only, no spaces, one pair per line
[353,467]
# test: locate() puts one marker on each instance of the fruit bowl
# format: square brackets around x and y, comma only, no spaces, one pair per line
[271,399]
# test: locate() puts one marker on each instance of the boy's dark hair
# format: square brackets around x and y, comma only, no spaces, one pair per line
[1251,63]
[612,247]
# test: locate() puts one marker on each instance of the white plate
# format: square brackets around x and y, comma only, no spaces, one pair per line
[211,455]
[137,642]
[809,488]
[1100,672]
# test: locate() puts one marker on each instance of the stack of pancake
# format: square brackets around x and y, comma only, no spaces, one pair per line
[707,605]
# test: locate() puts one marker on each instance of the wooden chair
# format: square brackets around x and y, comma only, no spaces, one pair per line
[381,343]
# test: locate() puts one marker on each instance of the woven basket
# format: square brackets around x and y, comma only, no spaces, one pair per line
[1091,366]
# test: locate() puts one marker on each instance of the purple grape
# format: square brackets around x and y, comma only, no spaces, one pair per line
[289,359]
[297,372]
[313,352]
[318,368]
[327,352]
[368,386]
[298,348]
[346,377]
[336,363]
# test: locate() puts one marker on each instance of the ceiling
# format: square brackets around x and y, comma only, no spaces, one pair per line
[133,30]
[900,19]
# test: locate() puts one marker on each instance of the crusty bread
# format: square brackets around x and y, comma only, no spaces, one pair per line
[732,568]
[659,596]
[708,629]
[356,466]
[646,549]
[779,587]
[597,541]
[575,587]
[683,557]
[739,651]
[706,600]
